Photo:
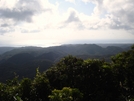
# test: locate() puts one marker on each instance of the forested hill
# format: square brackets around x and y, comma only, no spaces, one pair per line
[73,79]
[24,60]
[78,49]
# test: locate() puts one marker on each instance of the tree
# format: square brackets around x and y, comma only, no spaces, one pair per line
[64,72]
[123,65]
[40,87]
[66,94]
[25,89]
[92,77]
[9,90]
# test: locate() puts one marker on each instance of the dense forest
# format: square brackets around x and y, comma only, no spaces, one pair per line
[76,79]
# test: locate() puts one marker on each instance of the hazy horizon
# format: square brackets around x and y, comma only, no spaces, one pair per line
[108,42]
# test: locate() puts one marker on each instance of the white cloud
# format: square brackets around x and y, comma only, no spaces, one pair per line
[122,12]
[119,12]
[43,14]
[39,22]
[4,4]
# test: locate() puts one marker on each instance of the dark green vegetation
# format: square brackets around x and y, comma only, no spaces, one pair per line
[23,61]
[75,79]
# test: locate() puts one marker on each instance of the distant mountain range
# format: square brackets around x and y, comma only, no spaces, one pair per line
[24,60]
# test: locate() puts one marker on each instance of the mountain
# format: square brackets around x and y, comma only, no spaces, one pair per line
[24,65]
[31,50]
[50,56]
[20,59]
[117,45]
[24,60]
[5,49]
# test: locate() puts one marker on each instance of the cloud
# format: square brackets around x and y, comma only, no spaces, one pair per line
[34,31]
[4,25]
[24,31]
[41,22]
[71,1]
[120,12]
[18,15]
[4,30]
[115,14]
[29,31]
[22,10]
[72,18]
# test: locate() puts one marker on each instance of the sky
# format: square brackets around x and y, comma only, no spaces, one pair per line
[54,22]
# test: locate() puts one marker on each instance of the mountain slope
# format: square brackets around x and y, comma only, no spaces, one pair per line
[24,61]
[5,49]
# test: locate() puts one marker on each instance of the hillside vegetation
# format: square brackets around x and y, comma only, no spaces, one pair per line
[24,60]
[76,79]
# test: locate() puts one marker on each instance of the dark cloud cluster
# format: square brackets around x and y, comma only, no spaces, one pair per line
[22,11]
[72,18]
[17,15]
[4,25]
[126,19]
[119,24]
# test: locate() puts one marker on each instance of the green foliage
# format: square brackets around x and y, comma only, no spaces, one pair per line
[132,47]
[123,65]
[91,77]
[66,94]
[40,87]
[25,88]
[17,98]
[9,90]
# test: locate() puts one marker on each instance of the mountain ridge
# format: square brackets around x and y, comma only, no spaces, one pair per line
[24,61]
